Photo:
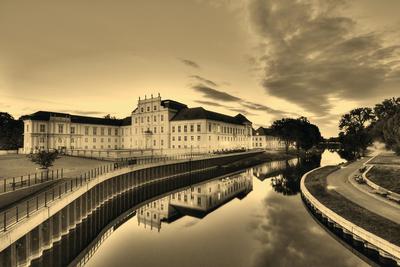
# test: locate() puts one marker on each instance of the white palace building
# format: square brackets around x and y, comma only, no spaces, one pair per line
[156,124]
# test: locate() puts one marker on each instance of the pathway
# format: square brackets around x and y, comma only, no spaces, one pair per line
[340,181]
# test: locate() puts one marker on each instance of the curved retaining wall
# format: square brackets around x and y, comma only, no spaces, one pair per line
[22,227]
[385,248]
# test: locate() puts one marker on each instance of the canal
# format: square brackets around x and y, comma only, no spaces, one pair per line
[254,218]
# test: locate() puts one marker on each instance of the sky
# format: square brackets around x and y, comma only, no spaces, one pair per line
[266,59]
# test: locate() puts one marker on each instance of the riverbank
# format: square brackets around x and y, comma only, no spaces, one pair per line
[316,183]
[385,172]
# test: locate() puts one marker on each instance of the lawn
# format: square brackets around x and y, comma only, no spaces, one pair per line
[387,177]
[386,158]
[17,165]
[380,226]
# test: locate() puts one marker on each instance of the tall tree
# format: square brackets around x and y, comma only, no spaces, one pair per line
[11,132]
[355,133]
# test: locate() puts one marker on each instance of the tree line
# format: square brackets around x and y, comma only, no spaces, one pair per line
[361,126]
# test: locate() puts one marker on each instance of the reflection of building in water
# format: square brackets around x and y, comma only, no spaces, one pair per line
[197,200]
[272,169]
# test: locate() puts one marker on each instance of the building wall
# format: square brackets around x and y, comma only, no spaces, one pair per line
[267,142]
[150,124]
[58,133]
[152,128]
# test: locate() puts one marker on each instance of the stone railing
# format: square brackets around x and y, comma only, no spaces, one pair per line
[383,246]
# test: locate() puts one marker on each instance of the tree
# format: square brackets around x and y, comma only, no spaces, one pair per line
[297,131]
[44,158]
[391,132]
[355,127]
[11,132]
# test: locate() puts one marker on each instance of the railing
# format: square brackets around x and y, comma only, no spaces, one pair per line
[355,230]
[18,182]
[13,215]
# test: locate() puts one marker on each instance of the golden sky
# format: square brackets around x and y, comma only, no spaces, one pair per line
[263,58]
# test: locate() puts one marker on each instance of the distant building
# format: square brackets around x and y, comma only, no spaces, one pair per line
[155,124]
[265,138]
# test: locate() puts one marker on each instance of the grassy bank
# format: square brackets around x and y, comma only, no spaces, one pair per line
[386,158]
[380,226]
[386,177]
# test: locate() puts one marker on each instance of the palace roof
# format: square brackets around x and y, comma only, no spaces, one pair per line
[46,115]
[201,113]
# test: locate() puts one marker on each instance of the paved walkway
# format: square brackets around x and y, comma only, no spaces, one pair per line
[340,181]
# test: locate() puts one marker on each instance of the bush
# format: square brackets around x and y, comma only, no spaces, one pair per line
[44,158]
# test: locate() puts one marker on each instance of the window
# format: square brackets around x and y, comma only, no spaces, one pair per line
[59,140]
[94,139]
[154,142]
[102,131]
[87,130]
[102,140]
[41,140]
[141,110]
[86,140]
[162,142]
[72,140]
[42,128]
[60,128]
[155,118]
[192,138]
[141,119]
[199,190]
[162,129]
[148,118]
[209,127]
[72,130]
[179,138]
[162,117]
[173,138]
[199,201]
[116,131]
[179,129]
[148,109]
[199,127]
[27,128]
[155,129]
[185,138]
[185,128]
[192,128]
[185,198]
[109,131]
[94,130]
[173,129]
[155,107]
[198,138]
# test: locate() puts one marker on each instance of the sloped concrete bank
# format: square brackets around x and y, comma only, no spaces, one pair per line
[375,247]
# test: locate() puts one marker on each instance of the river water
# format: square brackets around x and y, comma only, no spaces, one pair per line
[254,218]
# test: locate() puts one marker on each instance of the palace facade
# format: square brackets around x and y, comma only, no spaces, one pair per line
[155,124]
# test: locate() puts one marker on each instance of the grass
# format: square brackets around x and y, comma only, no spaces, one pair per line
[17,165]
[372,222]
[386,159]
[386,177]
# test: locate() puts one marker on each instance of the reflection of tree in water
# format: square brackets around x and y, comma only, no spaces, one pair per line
[288,182]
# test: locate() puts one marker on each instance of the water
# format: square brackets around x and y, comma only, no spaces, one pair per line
[255,218]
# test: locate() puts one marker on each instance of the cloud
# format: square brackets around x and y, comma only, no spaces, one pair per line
[311,53]
[246,106]
[209,103]
[214,93]
[190,63]
[203,80]
[283,241]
